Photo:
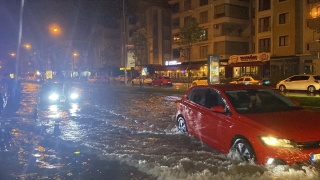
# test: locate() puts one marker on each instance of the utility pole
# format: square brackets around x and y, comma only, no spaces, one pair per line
[124,46]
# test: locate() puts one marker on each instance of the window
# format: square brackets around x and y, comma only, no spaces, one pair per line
[132,20]
[175,23]
[282,0]
[176,53]
[203,51]
[175,8]
[203,2]
[264,5]
[219,11]
[264,24]
[228,10]
[186,19]
[284,40]
[204,35]
[213,98]
[187,5]
[176,38]
[284,18]
[204,17]
[264,45]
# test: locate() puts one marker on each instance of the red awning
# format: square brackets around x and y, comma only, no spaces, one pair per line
[241,64]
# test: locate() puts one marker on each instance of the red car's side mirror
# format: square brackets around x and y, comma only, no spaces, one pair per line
[296,103]
[219,109]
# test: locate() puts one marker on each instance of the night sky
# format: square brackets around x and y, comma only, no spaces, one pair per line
[74,18]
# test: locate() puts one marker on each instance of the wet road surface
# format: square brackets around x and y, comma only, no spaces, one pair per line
[115,134]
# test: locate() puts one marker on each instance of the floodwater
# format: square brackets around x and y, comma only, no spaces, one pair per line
[113,133]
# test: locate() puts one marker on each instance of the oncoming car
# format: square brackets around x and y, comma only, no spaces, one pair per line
[250,123]
[57,93]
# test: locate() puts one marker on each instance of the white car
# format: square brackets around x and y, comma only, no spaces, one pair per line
[300,82]
[200,81]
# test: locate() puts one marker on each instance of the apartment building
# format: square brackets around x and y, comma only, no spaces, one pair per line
[312,36]
[226,27]
[155,17]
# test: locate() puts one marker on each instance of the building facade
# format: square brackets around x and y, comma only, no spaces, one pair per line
[268,38]
[155,17]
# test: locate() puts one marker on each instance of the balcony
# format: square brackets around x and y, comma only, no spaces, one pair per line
[314,46]
[314,23]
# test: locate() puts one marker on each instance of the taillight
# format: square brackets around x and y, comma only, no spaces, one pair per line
[316,81]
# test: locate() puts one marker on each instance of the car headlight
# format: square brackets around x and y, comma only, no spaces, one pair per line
[74,96]
[53,97]
[277,142]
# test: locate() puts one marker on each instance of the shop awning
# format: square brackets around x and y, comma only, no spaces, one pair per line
[241,64]
[178,67]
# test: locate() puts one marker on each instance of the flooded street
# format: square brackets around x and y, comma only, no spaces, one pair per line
[113,133]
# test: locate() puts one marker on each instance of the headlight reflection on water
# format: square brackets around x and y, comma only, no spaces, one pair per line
[74,108]
[53,111]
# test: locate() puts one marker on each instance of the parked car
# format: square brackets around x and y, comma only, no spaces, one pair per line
[300,82]
[250,80]
[145,80]
[162,81]
[120,79]
[250,123]
[200,81]
[92,79]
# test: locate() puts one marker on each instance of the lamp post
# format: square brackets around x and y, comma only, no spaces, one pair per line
[74,58]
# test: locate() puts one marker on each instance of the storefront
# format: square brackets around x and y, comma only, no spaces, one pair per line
[256,65]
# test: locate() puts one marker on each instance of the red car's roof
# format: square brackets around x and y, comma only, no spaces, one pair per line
[226,87]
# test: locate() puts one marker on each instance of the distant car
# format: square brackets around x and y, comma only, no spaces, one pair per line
[120,79]
[250,123]
[55,93]
[250,80]
[136,81]
[300,82]
[92,79]
[200,81]
[98,79]
[162,81]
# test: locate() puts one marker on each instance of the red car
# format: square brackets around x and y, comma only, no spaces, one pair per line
[162,81]
[250,123]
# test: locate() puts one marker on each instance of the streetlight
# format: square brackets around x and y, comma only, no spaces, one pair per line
[74,57]
[27,46]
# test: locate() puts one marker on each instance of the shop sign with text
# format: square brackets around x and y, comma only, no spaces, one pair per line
[249,58]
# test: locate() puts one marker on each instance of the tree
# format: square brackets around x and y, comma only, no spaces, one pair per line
[189,34]
[140,46]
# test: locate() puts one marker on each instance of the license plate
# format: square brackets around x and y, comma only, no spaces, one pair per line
[315,157]
[62,100]
[169,82]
